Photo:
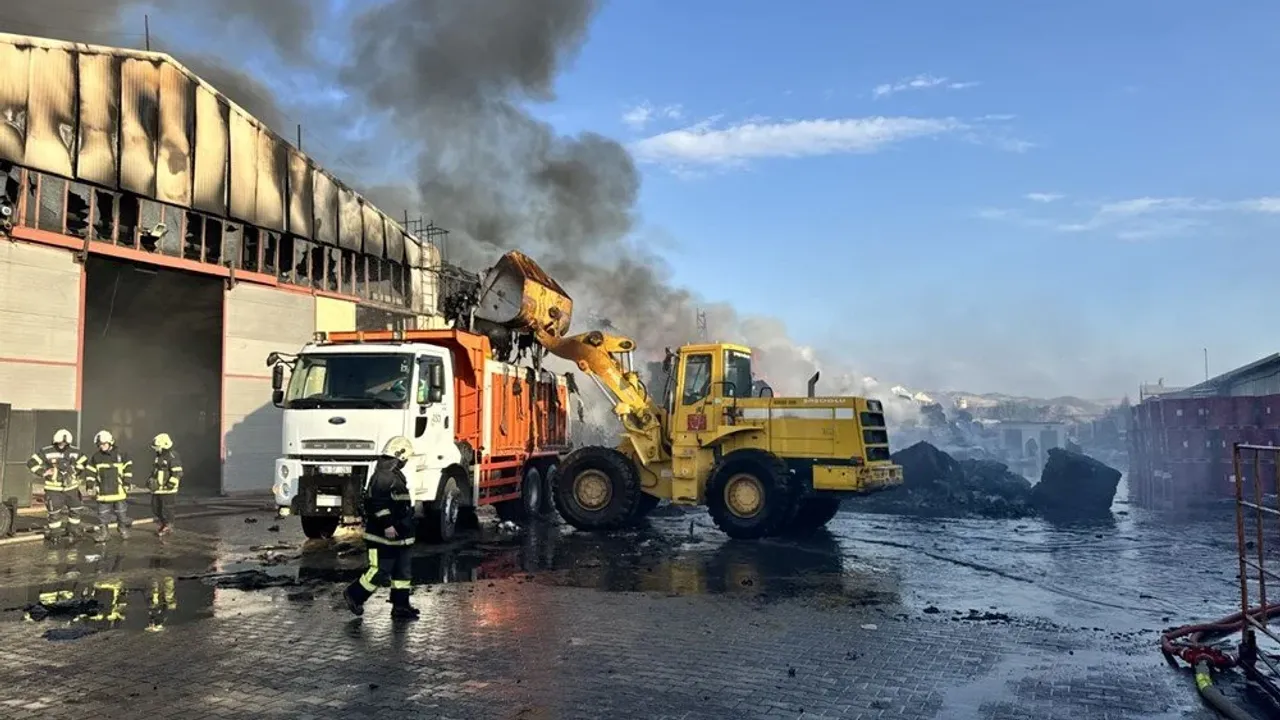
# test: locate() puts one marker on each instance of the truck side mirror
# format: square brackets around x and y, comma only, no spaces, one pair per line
[277,377]
[436,375]
[277,398]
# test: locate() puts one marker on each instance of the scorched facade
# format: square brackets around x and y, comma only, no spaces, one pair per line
[157,243]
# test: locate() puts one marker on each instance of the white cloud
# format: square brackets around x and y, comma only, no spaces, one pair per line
[1043,197]
[1137,218]
[639,116]
[920,82]
[707,144]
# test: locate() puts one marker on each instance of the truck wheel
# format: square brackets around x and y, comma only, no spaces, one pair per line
[548,506]
[750,495]
[596,488]
[319,527]
[442,514]
[533,492]
[812,515]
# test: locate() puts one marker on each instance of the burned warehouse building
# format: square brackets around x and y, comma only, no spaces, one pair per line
[157,243]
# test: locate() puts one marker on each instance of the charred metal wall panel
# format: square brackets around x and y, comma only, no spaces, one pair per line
[301,195]
[244,167]
[51,112]
[14,82]
[176,137]
[97,158]
[374,230]
[273,171]
[325,195]
[139,125]
[395,241]
[350,220]
[212,148]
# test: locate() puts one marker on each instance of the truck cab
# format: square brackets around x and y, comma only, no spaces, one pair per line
[341,404]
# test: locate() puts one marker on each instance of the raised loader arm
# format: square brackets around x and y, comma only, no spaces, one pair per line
[516,294]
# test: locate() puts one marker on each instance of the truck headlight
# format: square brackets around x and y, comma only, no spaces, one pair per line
[284,472]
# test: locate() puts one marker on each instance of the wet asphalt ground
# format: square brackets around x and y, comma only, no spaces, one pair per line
[884,617]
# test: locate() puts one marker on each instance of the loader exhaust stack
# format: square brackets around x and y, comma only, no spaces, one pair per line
[813,383]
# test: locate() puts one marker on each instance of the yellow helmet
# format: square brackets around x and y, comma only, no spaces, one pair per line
[398,447]
[104,436]
[162,442]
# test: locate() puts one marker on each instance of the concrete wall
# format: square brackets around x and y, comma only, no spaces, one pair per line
[335,315]
[40,318]
[259,320]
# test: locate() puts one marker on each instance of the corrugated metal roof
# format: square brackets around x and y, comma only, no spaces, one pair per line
[1222,384]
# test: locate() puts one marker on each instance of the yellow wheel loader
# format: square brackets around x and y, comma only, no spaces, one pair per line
[762,465]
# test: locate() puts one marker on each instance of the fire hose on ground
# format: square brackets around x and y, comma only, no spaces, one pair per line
[1190,644]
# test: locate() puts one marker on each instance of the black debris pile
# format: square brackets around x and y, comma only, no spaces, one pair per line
[68,608]
[1075,486]
[937,485]
[248,580]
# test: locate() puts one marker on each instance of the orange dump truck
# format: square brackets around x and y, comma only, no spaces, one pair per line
[485,432]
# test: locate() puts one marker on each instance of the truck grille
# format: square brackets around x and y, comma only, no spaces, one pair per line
[337,444]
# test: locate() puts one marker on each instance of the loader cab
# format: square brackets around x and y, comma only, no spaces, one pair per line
[705,378]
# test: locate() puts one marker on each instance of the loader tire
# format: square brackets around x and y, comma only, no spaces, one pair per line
[596,488]
[812,514]
[750,495]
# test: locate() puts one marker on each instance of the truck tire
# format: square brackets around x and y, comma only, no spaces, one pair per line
[441,517]
[319,527]
[548,481]
[750,495]
[812,515]
[596,488]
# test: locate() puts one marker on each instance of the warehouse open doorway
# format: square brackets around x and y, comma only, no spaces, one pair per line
[153,363]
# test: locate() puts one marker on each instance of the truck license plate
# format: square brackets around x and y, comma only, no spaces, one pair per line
[328,501]
[335,469]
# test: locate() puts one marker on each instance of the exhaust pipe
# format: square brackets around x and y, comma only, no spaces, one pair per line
[813,383]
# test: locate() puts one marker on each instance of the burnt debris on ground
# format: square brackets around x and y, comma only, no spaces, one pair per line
[935,484]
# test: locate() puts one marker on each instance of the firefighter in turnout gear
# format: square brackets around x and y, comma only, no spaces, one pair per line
[166,475]
[110,473]
[60,465]
[388,532]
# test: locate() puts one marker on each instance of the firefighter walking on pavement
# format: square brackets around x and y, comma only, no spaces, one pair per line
[388,533]
[166,475]
[61,465]
[109,473]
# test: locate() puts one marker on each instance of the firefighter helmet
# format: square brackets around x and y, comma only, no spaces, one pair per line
[398,447]
[62,436]
[162,442]
[104,436]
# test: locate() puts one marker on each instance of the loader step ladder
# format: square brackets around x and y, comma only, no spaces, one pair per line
[1250,463]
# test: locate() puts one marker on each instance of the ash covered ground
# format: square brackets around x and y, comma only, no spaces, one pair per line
[881,616]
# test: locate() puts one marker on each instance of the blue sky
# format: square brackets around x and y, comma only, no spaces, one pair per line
[998,196]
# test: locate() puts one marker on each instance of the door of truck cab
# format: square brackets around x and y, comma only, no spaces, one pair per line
[431,417]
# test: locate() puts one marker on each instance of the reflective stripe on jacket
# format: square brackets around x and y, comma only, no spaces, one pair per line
[166,472]
[68,464]
[111,472]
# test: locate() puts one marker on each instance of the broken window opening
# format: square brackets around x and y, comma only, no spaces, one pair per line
[78,210]
[53,194]
[151,227]
[243,245]
[301,260]
[270,250]
[127,230]
[104,215]
[346,282]
[213,240]
[193,238]
[11,192]
[384,280]
[317,267]
[361,277]
[33,204]
[333,261]
[171,240]
[284,256]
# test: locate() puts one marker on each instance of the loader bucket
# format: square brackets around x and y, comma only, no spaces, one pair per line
[517,294]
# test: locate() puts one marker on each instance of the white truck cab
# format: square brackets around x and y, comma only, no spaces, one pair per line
[341,405]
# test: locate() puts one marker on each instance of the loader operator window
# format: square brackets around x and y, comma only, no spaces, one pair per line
[697,379]
[737,374]
[349,380]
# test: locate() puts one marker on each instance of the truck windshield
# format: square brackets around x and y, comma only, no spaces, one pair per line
[737,374]
[350,380]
